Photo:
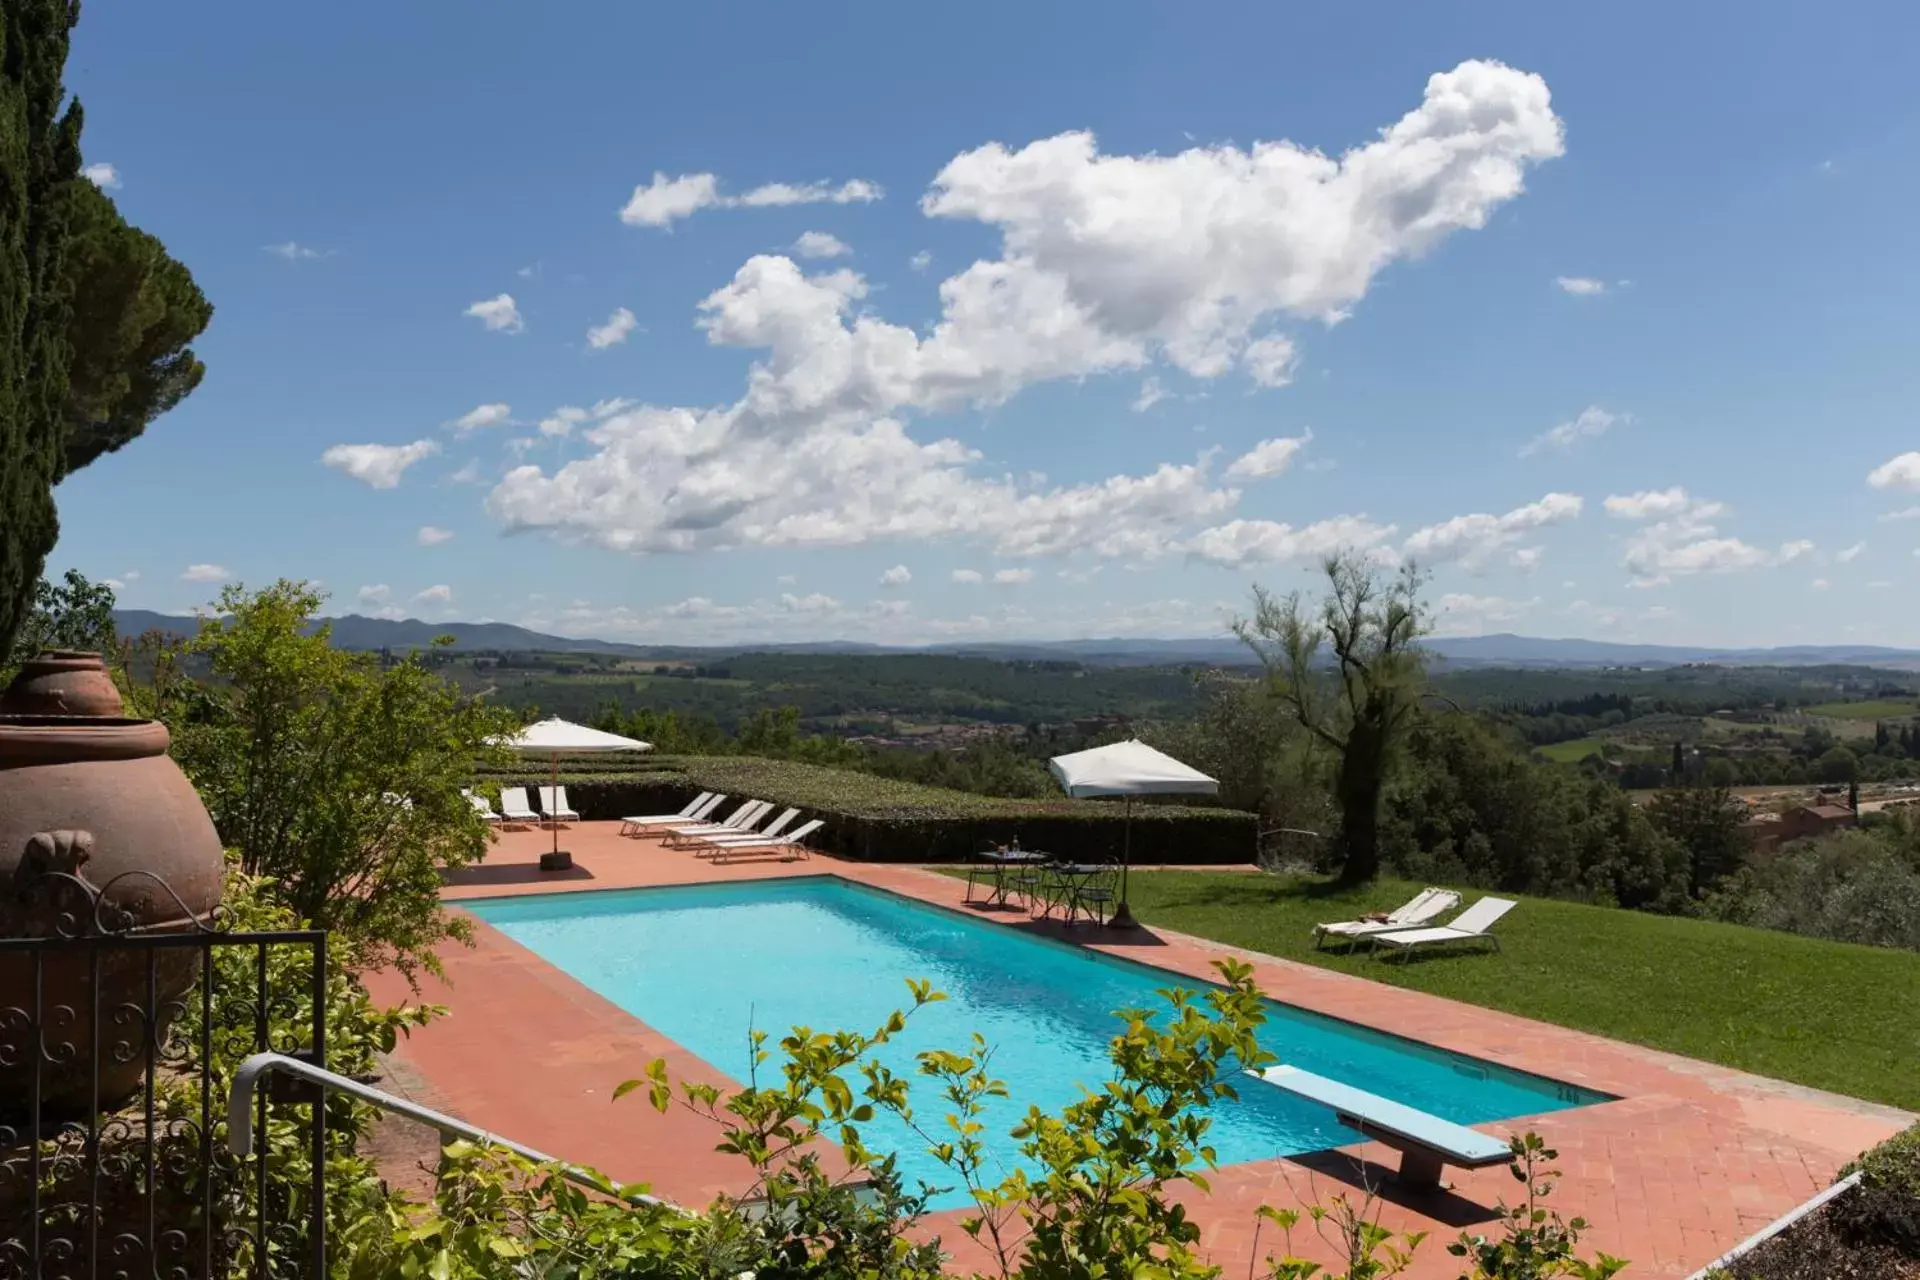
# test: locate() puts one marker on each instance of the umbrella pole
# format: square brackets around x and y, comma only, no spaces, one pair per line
[1122,916]
[556,861]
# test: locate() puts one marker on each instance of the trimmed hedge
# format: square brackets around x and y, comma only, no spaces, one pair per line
[882,820]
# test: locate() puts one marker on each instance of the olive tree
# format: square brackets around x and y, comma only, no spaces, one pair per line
[1349,669]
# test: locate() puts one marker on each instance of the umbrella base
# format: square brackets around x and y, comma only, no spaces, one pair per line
[1122,918]
[558,860]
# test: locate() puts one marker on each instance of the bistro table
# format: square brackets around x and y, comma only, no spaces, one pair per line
[999,860]
[1075,877]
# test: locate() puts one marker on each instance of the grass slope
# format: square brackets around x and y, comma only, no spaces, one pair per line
[1825,1014]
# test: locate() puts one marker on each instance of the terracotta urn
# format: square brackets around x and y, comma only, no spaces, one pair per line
[100,834]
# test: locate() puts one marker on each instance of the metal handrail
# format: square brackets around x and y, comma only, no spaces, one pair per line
[1775,1227]
[246,1082]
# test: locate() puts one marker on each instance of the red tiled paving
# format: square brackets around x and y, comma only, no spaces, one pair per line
[1690,1159]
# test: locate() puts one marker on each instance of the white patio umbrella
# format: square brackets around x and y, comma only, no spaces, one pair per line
[1128,769]
[555,737]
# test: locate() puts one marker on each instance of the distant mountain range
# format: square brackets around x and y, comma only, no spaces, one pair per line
[356,632]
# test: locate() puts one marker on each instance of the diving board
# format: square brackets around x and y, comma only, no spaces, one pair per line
[1425,1142]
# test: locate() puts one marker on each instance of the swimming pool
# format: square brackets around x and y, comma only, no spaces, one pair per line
[703,964]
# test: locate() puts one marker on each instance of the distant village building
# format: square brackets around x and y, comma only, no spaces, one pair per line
[1766,832]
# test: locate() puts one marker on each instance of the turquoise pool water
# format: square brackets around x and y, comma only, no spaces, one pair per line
[703,964]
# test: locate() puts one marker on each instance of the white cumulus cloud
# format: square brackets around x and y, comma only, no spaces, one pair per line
[205,573]
[664,201]
[1013,577]
[1678,537]
[1106,263]
[1902,472]
[102,175]
[1580,286]
[1473,539]
[432,535]
[379,466]
[1151,394]
[1847,555]
[1269,361]
[499,314]
[898,576]
[1592,423]
[439,593]
[821,244]
[379,593]
[967,576]
[482,416]
[1244,542]
[614,331]
[1268,458]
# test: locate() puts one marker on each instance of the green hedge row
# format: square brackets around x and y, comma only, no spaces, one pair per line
[882,820]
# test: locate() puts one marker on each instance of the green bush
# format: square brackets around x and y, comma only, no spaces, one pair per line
[882,820]
[1885,1207]
[333,775]
[1851,886]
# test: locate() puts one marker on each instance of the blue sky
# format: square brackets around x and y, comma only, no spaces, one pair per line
[1024,321]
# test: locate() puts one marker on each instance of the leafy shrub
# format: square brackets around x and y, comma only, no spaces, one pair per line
[337,777]
[1852,886]
[1368,1250]
[1537,1242]
[1885,1207]
[1098,1204]
[887,821]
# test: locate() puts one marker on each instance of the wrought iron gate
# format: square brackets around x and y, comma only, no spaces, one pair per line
[118,1042]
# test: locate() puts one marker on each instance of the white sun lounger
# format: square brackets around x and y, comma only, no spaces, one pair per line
[1417,910]
[1470,925]
[696,811]
[740,820]
[513,805]
[553,802]
[791,844]
[704,845]
[480,806]
[1425,1142]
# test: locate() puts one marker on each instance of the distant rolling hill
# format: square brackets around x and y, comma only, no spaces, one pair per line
[356,632]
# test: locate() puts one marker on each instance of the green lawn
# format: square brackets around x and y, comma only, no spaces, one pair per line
[1872,709]
[1572,752]
[1825,1014]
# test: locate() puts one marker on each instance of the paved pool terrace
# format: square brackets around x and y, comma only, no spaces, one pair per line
[1689,1159]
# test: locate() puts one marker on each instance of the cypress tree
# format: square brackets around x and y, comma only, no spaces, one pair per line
[39,163]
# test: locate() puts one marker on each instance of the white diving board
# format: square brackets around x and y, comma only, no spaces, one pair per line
[1425,1142]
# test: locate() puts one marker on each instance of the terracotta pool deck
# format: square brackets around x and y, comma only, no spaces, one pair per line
[1690,1159]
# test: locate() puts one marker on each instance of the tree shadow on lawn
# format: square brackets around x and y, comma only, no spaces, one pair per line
[1245,889]
[1440,1204]
[1243,893]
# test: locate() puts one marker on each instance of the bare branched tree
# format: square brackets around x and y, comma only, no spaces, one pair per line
[1358,698]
